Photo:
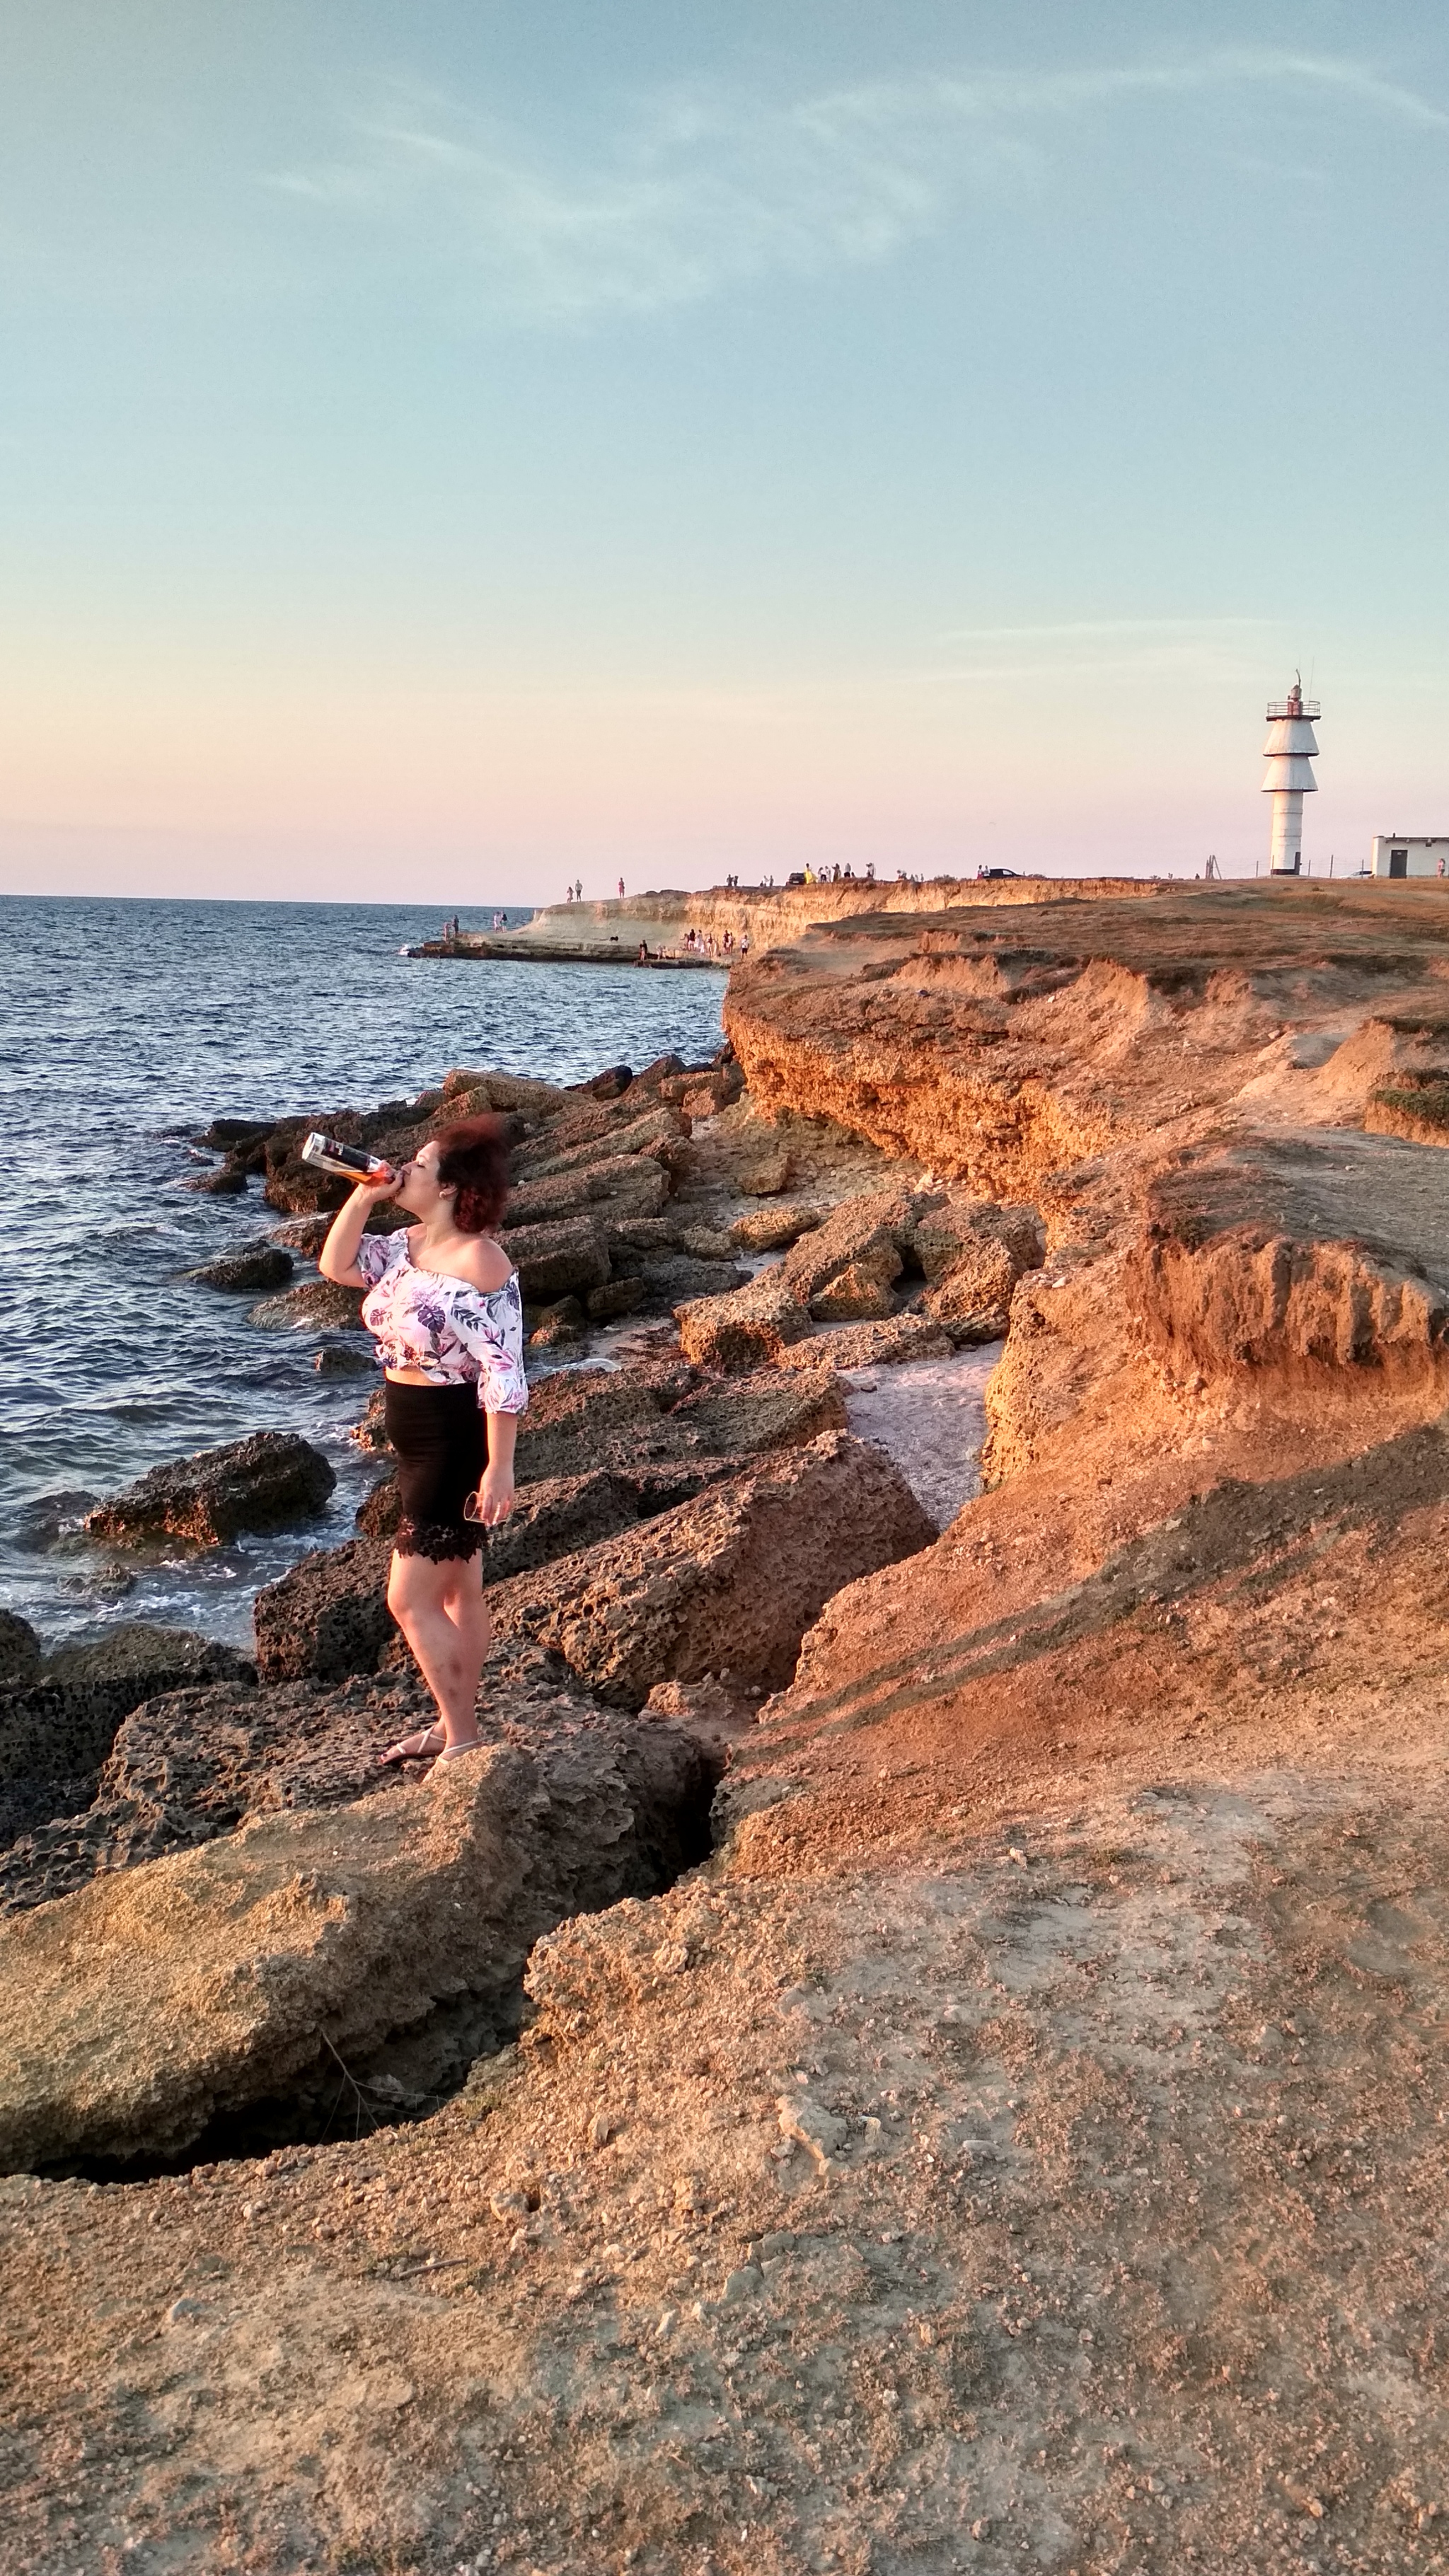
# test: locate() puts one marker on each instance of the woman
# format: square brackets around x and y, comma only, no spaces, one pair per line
[445,1308]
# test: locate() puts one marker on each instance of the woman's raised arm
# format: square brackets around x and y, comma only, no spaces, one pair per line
[337,1259]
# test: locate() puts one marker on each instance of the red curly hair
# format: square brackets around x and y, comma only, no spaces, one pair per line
[473,1157]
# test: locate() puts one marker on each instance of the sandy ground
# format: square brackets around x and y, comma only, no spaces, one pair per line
[1119,2243]
[930,1417]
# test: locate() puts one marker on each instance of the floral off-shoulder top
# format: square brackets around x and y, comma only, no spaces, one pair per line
[455,1333]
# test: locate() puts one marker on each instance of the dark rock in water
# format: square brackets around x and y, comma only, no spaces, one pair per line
[260,1483]
[336,1360]
[319,1305]
[328,1616]
[307,1234]
[47,1519]
[225,1182]
[19,1648]
[304,1234]
[226,1133]
[57,1727]
[110,1581]
[254,1266]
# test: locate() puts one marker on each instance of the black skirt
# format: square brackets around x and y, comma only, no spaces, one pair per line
[441,1446]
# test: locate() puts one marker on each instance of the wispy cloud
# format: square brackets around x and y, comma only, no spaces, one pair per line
[700,190]
[1206,651]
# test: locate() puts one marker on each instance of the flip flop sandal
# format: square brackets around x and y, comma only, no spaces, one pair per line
[454,1752]
[417,1747]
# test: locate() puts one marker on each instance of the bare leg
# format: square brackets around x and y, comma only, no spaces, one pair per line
[441,1612]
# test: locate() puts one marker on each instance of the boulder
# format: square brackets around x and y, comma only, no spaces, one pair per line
[259,1483]
[189,1764]
[733,1578]
[224,1181]
[298,1189]
[378,1514]
[771,1411]
[675,1277]
[857,1293]
[621,1297]
[588,1418]
[945,1236]
[294,1187]
[327,1616]
[554,1326]
[552,1261]
[772,1229]
[58,1722]
[619,1186]
[658,1235]
[225,1134]
[588,1134]
[336,1359]
[519,1093]
[864,1234]
[318,1306]
[371,1432]
[606,1085]
[745,1330]
[977,1288]
[660,1071]
[765,1174]
[879,1345]
[160,1999]
[709,1093]
[304,1234]
[707,1243]
[253,1267]
[19,1648]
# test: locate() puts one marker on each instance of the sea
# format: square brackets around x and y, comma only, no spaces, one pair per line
[125,1028]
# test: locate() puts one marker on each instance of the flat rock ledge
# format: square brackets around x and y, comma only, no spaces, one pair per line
[389,1935]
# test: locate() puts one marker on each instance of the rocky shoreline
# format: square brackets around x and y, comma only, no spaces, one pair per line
[912,2048]
[686,1510]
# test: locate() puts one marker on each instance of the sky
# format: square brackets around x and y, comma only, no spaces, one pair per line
[453,447]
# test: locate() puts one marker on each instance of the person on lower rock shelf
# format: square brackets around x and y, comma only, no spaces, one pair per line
[444,1306]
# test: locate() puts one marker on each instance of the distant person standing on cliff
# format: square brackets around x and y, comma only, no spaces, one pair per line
[621,889]
[443,1304]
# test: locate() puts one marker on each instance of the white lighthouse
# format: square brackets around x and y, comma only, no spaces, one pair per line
[1289,751]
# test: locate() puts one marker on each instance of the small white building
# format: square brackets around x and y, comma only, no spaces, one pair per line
[1410,854]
